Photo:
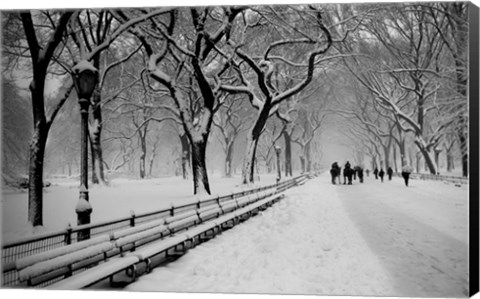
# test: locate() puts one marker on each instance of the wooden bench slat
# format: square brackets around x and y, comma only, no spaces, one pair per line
[177,224]
[209,213]
[63,261]
[199,229]
[95,274]
[228,206]
[158,247]
[140,235]
[207,208]
[44,256]
[180,216]
[136,229]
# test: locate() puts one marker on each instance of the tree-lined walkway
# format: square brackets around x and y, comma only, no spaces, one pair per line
[336,240]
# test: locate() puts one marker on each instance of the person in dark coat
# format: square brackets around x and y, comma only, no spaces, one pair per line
[381,174]
[375,172]
[390,173]
[347,173]
[335,172]
[359,172]
[406,170]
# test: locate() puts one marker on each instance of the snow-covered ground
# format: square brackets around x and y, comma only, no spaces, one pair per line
[108,202]
[371,239]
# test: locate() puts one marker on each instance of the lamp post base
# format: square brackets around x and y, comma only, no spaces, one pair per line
[83,210]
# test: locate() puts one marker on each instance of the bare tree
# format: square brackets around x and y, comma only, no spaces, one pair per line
[274,58]
[304,133]
[193,62]
[230,121]
[41,58]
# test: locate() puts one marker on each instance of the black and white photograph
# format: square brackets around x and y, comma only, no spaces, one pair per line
[323,148]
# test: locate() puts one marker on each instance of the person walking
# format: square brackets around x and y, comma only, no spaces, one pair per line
[390,173]
[375,172]
[406,171]
[381,174]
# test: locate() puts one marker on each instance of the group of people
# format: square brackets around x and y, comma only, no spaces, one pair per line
[381,173]
[349,173]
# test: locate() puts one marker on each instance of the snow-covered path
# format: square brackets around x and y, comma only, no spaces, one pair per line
[305,244]
[419,233]
[366,239]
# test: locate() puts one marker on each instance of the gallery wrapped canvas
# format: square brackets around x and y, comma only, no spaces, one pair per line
[326,149]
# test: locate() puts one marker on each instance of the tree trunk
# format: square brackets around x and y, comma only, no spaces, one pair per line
[395,163]
[143,153]
[288,153]
[248,169]
[418,157]
[386,151]
[249,162]
[35,189]
[302,163]
[228,160]
[150,163]
[199,169]
[98,173]
[437,159]
[185,154]
[308,159]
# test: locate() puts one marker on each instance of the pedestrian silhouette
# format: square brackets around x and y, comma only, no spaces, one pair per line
[381,174]
[375,172]
[359,172]
[335,172]
[406,170]
[389,172]
[347,173]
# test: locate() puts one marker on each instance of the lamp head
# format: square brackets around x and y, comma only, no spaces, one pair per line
[86,77]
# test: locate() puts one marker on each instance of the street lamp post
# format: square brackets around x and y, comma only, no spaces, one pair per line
[85,79]
[279,172]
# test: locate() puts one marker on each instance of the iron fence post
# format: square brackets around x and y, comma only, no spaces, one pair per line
[132,218]
[68,235]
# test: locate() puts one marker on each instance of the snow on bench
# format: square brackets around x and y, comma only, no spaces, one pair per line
[183,223]
[141,235]
[64,257]
[245,201]
[145,253]
[98,273]
[207,208]
[200,229]
[43,256]
[228,206]
[180,216]
[208,214]
[63,261]
[138,228]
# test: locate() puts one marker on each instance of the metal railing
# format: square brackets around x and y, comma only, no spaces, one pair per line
[13,251]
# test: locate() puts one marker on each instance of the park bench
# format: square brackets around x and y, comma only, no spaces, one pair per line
[140,244]
[130,239]
[63,261]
